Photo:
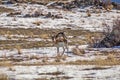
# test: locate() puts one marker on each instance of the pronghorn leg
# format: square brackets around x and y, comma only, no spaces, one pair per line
[63,50]
[57,50]
[66,47]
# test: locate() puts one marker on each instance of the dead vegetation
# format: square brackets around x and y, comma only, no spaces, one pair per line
[6,63]
[3,9]
[43,34]
[109,60]
[53,73]
[98,61]
[34,1]
[41,79]
[11,14]
[37,23]
[97,68]
[110,36]
[19,50]
[56,78]
[88,13]
[61,78]
[3,76]
[112,58]
[78,51]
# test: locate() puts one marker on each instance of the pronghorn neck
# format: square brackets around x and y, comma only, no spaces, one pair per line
[60,37]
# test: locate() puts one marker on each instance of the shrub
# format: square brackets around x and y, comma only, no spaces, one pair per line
[110,36]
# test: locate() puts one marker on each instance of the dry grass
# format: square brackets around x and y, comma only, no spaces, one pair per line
[58,58]
[39,1]
[98,61]
[97,68]
[19,50]
[88,13]
[37,23]
[64,57]
[6,63]
[11,69]
[3,76]
[45,36]
[110,60]
[41,34]
[42,79]
[33,57]
[111,57]
[53,73]
[56,78]
[61,78]
[37,33]
[3,9]
[108,7]
[45,59]
[78,51]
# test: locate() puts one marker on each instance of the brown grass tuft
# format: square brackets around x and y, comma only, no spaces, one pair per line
[37,23]
[45,59]
[3,76]
[98,62]
[44,36]
[109,7]
[11,68]
[64,57]
[41,79]
[88,13]
[53,73]
[111,57]
[78,51]
[3,9]
[34,57]
[6,63]
[58,58]
[19,50]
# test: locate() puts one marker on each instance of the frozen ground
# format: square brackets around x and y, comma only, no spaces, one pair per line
[75,19]
[51,52]
[63,72]
[41,57]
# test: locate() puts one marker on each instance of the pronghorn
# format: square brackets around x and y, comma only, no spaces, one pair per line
[60,40]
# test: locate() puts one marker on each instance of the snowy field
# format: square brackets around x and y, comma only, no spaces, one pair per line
[76,19]
[43,63]
[63,72]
